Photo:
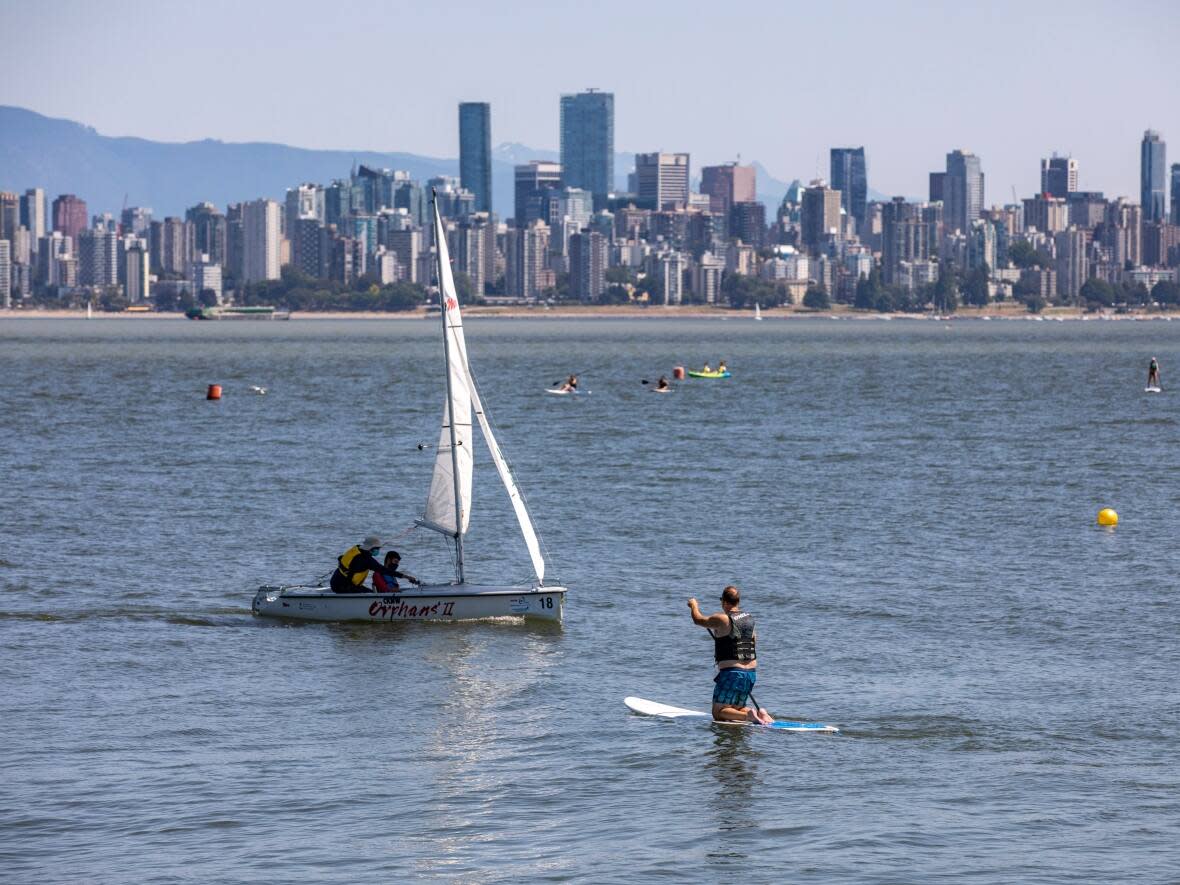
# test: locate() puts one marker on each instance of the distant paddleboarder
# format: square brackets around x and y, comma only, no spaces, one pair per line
[733,651]
[1153,374]
[570,385]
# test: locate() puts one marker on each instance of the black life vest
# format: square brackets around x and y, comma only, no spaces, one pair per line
[738,643]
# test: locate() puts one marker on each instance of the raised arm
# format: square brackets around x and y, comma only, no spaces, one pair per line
[710,621]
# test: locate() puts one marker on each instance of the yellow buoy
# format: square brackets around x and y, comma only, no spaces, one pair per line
[1106,516]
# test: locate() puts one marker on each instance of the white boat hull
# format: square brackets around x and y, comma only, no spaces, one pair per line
[444,602]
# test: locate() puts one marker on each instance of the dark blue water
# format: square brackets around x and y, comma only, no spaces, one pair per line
[908,508]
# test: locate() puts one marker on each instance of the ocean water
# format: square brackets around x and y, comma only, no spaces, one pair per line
[909,508]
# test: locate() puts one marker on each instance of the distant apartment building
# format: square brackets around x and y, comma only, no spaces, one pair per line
[849,176]
[533,182]
[819,214]
[206,276]
[475,250]
[1152,172]
[728,185]
[589,257]
[962,190]
[33,214]
[1072,266]
[1059,176]
[5,274]
[135,270]
[69,216]
[747,222]
[1046,213]
[588,142]
[98,258]
[475,152]
[662,180]
[260,241]
[905,237]
[527,250]
[136,220]
[206,229]
[9,215]
[1175,216]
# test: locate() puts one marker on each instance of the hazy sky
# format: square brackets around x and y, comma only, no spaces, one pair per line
[776,82]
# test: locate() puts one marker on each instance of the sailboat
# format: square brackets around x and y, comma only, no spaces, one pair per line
[757,311]
[447,511]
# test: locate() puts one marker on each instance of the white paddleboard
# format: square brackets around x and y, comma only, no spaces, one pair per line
[567,392]
[1151,390]
[651,708]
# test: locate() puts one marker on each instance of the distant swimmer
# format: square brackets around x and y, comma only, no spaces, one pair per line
[1153,374]
[354,565]
[663,385]
[570,385]
[734,639]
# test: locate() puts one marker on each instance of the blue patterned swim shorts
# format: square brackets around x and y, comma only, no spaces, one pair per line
[733,686]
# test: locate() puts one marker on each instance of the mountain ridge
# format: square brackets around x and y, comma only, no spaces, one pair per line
[66,156]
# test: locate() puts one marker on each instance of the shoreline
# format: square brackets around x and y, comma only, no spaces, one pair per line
[566,312]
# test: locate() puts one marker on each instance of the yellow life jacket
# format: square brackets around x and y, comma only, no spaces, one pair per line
[356,576]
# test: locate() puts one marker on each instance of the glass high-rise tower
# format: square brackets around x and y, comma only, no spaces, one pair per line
[475,152]
[851,179]
[1152,172]
[588,142]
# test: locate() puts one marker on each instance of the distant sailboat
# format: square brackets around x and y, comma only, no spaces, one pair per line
[448,511]
[88,313]
[757,311]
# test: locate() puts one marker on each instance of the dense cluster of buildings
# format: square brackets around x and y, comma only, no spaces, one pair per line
[571,225]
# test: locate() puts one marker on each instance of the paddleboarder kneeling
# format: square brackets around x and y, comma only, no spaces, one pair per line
[734,639]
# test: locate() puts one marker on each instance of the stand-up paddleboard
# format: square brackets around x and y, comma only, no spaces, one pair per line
[651,708]
[1152,390]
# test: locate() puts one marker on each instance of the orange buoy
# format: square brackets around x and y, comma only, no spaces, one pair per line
[214,392]
[678,373]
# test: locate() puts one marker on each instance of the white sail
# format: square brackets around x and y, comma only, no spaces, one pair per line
[445,494]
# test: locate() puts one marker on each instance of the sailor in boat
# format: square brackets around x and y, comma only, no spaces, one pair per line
[734,640]
[1153,374]
[354,565]
[707,368]
[721,367]
[570,385]
[385,578]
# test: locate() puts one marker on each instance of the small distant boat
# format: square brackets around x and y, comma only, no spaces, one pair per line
[257,312]
[448,511]
[757,311]
[89,314]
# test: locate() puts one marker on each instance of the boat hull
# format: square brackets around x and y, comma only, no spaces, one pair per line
[447,602]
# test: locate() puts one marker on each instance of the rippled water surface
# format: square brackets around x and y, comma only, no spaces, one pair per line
[908,507]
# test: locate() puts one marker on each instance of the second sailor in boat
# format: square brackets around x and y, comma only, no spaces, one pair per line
[354,565]
[385,579]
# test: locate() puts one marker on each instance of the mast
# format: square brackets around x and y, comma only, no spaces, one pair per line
[443,307]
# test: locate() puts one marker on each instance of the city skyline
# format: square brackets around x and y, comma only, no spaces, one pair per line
[693,112]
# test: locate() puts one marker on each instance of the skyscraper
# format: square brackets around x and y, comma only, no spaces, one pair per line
[32,212]
[1059,176]
[475,152]
[260,241]
[851,179]
[1176,193]
[588,142]
[962,190]
[727,185]
[1152,170]
[820,213]
[69,215]
[9,214]
[905,237]
[588,263]
[533,181]
[662,179]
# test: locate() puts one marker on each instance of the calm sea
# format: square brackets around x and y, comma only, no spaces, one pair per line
[908,506]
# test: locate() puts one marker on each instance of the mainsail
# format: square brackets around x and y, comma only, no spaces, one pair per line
[446,495]
[448,504]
